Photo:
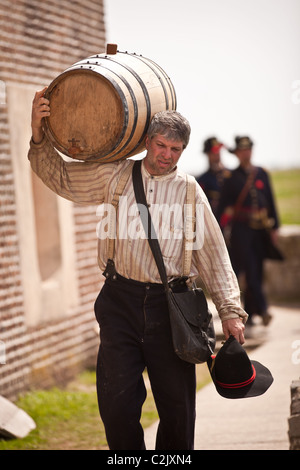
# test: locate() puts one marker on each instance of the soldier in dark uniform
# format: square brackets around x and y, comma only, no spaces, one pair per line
[212,180]
[245,210]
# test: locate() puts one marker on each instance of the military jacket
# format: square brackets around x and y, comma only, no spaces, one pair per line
[257,209]
[211,182]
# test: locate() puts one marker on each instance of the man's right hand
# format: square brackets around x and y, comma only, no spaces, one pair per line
[40,109]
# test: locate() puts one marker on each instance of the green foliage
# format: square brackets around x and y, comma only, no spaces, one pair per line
[65,418]
[286,186]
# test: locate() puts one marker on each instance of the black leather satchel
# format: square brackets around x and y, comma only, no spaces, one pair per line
[192,325]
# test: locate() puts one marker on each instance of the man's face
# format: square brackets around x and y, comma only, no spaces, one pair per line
[162,154]
[244,156]
[214,157]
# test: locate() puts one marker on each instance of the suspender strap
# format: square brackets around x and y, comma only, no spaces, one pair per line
[190,224]
[245,190]
[115,201]
[149,229]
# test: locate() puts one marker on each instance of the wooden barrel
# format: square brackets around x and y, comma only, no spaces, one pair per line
[101,106]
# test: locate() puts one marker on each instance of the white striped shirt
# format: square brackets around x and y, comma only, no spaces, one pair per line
[95,183]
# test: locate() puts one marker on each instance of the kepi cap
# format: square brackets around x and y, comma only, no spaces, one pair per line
[241,143]
[212,145]
[234,375]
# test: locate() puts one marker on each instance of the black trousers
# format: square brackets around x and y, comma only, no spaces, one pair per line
[135,334]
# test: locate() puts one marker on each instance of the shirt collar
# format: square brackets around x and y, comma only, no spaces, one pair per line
[168,176]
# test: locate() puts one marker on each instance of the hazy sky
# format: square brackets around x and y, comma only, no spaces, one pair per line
[235,66]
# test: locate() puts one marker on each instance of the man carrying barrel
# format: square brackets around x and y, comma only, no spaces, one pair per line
[131,308]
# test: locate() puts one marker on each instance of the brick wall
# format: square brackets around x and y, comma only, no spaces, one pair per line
[38,40]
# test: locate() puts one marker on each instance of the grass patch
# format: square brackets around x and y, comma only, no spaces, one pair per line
[65,418]
[68,419]
[286,185]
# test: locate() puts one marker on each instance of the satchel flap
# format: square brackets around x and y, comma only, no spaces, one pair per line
[193,305]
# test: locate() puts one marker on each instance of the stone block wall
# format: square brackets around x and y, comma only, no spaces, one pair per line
[282,279]
[294,420]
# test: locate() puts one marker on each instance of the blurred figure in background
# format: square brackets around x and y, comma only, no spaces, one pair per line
[247,215]
[212,180]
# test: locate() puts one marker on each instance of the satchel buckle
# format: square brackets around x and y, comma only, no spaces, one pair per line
[110,270]
[178,281]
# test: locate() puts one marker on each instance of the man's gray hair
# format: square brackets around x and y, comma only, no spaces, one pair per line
[172,125]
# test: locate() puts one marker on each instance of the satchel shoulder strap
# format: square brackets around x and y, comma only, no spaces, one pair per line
[140,196]
[190,219]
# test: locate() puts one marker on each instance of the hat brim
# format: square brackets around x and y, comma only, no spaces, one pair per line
[260,385]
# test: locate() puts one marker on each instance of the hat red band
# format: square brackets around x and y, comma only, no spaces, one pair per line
[216,148]
[241,384]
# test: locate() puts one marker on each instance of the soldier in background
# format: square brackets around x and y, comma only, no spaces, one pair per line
[212,180]
[247,215]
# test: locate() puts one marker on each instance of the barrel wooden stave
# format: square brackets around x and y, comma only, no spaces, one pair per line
[68,133]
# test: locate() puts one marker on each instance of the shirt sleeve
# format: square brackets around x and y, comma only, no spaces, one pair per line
[79,181]
[213,264]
